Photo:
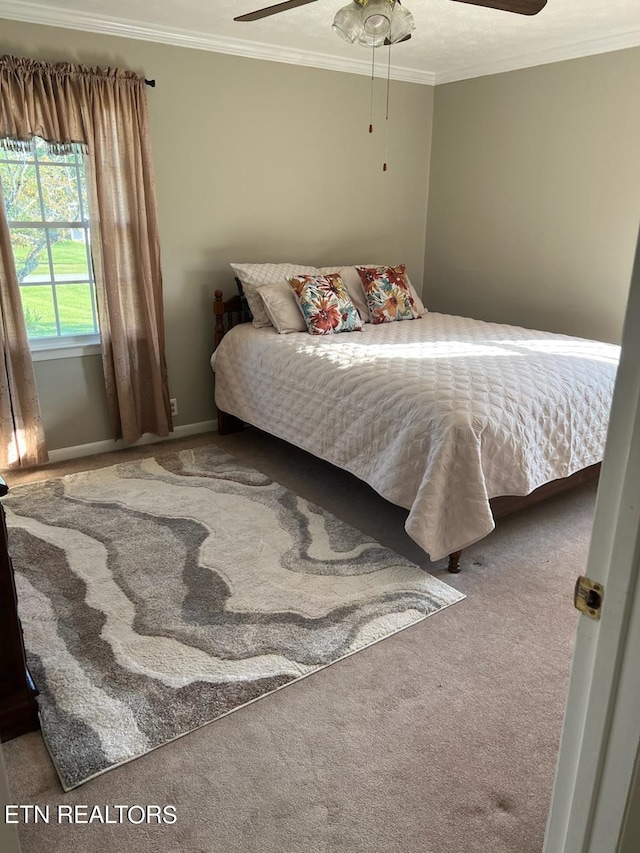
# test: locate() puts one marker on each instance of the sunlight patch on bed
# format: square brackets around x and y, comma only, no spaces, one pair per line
[347,353]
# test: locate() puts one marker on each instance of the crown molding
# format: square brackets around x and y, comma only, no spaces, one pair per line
[34,13]
[546,56]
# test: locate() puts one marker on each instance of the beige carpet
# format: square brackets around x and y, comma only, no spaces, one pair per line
[441,739]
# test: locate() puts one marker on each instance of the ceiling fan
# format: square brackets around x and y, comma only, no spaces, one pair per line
[520,7]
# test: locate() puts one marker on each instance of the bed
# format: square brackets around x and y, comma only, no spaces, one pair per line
[457,420]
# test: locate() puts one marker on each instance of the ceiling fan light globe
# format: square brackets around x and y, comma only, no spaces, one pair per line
[376,18]
[347,22]
[376,25]
[402,24]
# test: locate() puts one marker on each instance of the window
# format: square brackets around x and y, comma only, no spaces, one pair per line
[46,200]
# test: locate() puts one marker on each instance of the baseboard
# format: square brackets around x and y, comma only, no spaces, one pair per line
[79,450]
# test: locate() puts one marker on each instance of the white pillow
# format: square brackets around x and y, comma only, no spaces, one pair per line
[255,276]
[355,289]
[282,308]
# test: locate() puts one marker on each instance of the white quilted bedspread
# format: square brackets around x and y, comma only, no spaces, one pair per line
[438,414]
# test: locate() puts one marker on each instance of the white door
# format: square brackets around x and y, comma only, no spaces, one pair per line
[599,750]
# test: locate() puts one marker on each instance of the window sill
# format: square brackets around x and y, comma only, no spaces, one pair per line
[68,349]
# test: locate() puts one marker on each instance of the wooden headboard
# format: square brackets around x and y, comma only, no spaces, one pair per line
[229,312]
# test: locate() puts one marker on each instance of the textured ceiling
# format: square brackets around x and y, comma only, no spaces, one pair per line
[451,41]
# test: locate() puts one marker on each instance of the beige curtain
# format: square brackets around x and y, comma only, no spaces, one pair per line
[105,110]
[21,434]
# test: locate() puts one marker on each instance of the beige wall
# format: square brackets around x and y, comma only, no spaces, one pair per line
[534,198]
[255,161]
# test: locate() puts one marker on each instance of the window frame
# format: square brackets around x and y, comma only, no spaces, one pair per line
[59,345]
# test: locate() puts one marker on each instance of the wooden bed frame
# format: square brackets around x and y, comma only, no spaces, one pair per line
[231,312]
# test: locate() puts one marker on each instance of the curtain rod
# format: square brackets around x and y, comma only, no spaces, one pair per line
[151,83]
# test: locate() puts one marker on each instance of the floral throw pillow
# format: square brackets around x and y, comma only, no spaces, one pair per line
[325,304]
[387,293]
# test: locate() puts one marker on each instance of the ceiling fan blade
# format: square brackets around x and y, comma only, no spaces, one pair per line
[520,7]
[406,38]
[273,10]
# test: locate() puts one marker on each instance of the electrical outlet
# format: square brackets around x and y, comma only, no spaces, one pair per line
[174,406]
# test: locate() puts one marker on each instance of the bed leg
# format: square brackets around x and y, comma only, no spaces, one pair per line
[228,423]
[454,562]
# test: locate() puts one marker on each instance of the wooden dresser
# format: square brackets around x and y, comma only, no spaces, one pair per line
[18,706]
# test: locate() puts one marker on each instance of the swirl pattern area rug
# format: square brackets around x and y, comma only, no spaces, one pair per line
[159,595]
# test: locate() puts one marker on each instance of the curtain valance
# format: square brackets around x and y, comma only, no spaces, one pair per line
[54,100]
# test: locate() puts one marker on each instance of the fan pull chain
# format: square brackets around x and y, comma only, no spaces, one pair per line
[386,118]
[373,67]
